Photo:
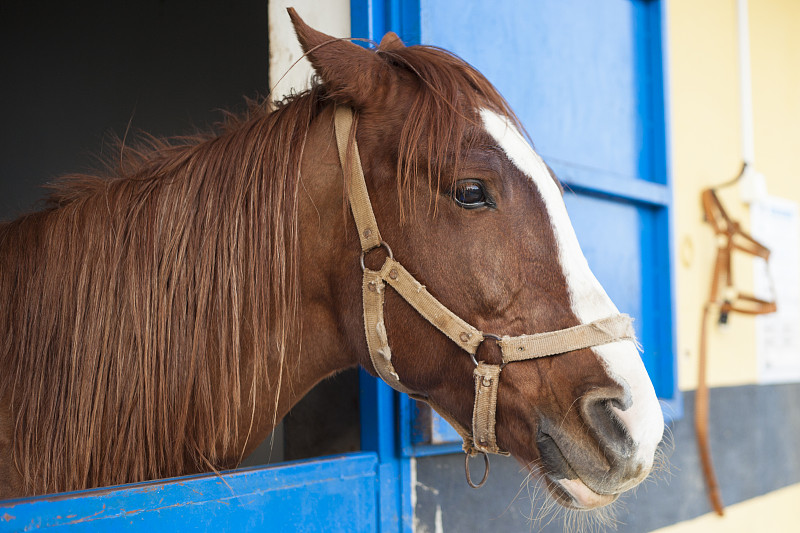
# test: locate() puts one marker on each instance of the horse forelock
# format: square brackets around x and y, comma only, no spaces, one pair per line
[132,301]
[443,119]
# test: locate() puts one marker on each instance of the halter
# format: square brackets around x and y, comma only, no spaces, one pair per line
[730,237]
[481,438]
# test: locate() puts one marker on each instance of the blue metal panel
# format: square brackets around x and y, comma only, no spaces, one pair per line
[668,369]
[371,19]
[334,494]
[589,180]
[570,69]
[378,433]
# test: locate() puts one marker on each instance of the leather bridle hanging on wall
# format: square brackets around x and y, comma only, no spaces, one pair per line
[726,299]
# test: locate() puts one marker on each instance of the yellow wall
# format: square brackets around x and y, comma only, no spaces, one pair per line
[775,50]
[706,150]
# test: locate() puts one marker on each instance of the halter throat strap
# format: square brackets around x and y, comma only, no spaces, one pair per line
[481,437]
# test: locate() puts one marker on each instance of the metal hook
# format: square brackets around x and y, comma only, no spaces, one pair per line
[734,180]
[485,472]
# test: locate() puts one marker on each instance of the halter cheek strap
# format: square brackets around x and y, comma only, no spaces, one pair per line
[481,438]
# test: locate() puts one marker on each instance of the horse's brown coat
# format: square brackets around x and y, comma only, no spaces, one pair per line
[151,320]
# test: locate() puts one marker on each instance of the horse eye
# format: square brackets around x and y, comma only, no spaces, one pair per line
[470,194]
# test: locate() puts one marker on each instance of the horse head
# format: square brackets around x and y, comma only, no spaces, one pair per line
[472,212]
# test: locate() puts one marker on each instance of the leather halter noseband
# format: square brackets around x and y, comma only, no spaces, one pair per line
[482,437]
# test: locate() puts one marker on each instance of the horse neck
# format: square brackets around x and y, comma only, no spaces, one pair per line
[315,349]
[330,327]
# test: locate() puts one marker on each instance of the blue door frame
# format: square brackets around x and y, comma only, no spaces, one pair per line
[371,490]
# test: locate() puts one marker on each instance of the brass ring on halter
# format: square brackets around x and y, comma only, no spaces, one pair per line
[381,245]
[486,336]
[485,472]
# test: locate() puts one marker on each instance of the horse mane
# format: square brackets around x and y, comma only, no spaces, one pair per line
[129,300]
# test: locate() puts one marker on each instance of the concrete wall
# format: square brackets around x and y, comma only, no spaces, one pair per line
[286,73]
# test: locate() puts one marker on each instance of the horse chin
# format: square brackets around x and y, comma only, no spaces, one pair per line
[572,491]
[574,494]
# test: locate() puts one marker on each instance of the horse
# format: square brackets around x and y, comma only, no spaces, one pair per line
[159,318]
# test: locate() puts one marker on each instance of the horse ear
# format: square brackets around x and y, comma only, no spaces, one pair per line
[391,42]
[351,73]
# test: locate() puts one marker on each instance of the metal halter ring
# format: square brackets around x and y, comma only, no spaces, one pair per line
[382,244]
[486,336]
[485,472]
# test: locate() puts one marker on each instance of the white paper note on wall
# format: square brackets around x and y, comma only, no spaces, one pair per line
[776,224]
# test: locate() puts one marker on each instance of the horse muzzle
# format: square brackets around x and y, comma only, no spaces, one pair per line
[590,462]
[583,480]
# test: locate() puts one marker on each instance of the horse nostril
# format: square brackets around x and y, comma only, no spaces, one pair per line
[600,413]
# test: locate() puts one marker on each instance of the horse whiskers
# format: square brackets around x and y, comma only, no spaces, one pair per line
[532,470]
[662,469]
[544,509]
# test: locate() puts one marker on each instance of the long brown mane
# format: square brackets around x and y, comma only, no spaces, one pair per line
[130,302]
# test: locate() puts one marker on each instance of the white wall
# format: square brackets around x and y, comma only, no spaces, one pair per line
[329,16]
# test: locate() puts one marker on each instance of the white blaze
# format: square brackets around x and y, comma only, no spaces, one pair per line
[588,299]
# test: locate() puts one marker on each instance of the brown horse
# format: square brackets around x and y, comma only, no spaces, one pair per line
[159,320]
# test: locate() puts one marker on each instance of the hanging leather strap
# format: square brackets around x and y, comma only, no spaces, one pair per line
[701,420]
[725,299]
